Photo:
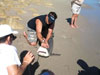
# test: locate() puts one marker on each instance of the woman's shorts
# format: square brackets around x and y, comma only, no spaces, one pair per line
[76,9]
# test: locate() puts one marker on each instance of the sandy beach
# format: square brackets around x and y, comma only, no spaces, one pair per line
[70,45]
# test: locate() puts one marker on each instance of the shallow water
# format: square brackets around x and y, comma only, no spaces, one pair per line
[91,30]
[93,12]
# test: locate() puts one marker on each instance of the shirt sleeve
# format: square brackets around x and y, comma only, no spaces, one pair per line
[12,57]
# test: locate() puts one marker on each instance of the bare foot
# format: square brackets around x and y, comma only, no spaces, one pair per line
[76,26]
[72,26]
[25,35]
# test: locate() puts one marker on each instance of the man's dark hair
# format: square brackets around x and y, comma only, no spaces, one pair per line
[3,39]
[22,55]
[54,14]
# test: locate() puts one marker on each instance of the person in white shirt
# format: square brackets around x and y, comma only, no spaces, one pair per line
[76,8]
[9,61]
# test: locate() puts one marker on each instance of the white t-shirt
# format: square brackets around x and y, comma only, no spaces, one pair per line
[8,57]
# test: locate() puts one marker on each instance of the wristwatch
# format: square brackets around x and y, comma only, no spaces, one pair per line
[43,41]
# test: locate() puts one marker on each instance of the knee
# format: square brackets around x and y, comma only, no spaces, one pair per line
[33,44]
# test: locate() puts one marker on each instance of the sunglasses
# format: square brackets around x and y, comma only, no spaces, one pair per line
[13,37]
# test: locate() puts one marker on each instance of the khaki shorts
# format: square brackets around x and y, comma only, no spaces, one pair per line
[32,37]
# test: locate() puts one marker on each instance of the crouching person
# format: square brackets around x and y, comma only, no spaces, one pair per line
[9,61]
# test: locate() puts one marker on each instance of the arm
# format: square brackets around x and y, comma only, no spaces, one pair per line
[79,1]
[50,31]
[39,29]
[18,70]
[48,37]
[39,35]
[49,34]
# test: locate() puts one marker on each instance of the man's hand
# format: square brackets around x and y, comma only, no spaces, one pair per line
[45,45]
[18,70]
[29,57]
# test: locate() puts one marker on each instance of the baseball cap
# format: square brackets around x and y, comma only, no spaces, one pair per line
[51,18]
[6,30]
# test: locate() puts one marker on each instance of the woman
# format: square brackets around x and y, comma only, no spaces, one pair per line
[76,7]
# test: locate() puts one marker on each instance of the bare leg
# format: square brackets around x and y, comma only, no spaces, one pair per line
[76,16]
[26,37]
[72,21]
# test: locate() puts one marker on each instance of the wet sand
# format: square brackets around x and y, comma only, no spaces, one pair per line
[70,45]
